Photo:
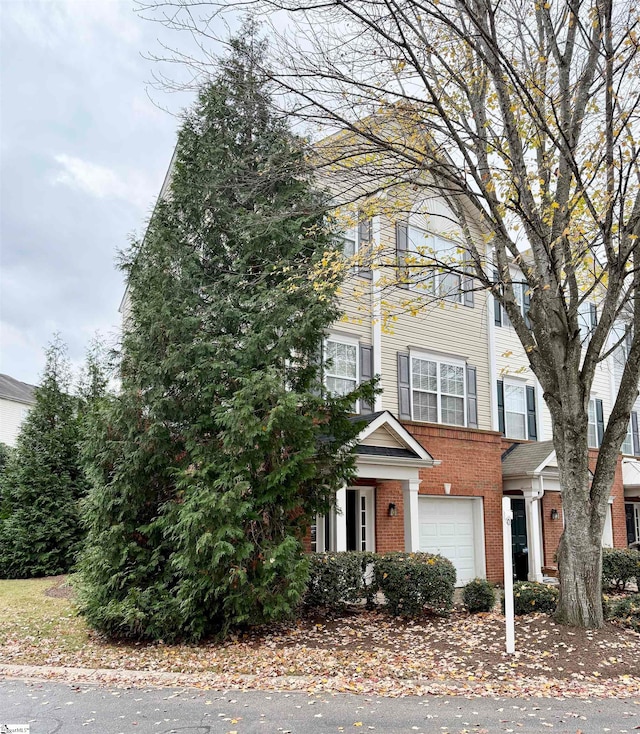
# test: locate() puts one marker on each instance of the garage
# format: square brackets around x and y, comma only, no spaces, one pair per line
[452,527]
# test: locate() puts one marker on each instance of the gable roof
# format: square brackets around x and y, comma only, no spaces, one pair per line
[528,458]
[12,389]
[407,446]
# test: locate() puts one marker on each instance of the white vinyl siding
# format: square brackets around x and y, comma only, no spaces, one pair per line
[437,391]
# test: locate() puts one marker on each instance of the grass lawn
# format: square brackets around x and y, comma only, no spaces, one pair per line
[369,652]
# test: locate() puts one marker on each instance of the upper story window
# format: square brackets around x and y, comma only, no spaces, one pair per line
[355,240]
[442,283]
[595,430]
[437,390]
[627,444]
[521,294]
[587,320]
[515,410]
[341,366]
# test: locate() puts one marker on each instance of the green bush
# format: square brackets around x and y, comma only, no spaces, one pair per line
[478,596]
[531,596]
[412,581]
[336,579]
[627,611]
[619,566]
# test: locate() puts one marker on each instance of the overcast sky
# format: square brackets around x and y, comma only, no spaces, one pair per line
[83,155]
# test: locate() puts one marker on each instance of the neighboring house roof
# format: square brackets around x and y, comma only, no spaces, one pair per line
[528,458]
[20,392]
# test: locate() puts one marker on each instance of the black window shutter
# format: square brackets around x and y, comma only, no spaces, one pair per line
[600,421]
[402,245]
[404,387]
[634,433]
[593,312]
[501,407]
[467,282]
[365,235]
[526,303]
[472,398]
[366,374]
[532,427]
[497,308]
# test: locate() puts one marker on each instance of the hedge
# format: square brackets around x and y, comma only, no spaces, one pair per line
[627,611]
[412,582]
[478,596]
[531,596]
[337,579]
[619,567]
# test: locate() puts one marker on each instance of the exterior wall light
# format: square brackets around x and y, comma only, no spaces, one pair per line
[393,510]
[554,514]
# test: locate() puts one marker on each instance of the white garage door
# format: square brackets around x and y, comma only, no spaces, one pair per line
[447,527]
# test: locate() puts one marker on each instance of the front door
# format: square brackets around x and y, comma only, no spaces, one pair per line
[519,546]
[360,519]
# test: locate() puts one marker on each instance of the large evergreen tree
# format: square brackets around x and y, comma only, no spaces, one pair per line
[220,447]
[43,482]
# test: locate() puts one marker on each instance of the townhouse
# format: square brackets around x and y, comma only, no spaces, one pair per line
[460,420]
[456,384]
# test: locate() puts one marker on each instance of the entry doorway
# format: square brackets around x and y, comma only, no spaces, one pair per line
[519,542]
[360,519]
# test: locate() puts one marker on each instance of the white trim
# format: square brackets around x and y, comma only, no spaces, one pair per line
[493,368]
[376,325]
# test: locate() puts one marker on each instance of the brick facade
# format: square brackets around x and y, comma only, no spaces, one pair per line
[471,464]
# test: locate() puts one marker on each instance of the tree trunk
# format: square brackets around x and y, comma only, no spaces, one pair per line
[580,548]
[580,564]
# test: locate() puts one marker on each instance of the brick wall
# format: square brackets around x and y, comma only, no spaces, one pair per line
[389,530]
[471,463]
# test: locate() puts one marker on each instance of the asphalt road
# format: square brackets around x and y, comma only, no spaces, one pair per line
[80,709]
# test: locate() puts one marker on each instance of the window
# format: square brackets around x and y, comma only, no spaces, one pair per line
[341,371]
[515,410]
[592,433]
[356,239]
[587,320]
[627,444]
[438,391]
[441,283]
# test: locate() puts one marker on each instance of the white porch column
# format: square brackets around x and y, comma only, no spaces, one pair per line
[411,524]
[341,519]
[532,504]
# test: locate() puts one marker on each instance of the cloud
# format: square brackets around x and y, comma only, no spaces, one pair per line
[102,182]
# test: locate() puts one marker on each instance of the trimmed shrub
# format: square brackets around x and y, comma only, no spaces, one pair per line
[531,596]
[412,581]
[337,579]
[627,611]
[478,596]
[619,566]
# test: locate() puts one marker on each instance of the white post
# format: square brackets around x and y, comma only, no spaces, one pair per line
[533,538]
[341,519]
[507,516]
[411,519]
